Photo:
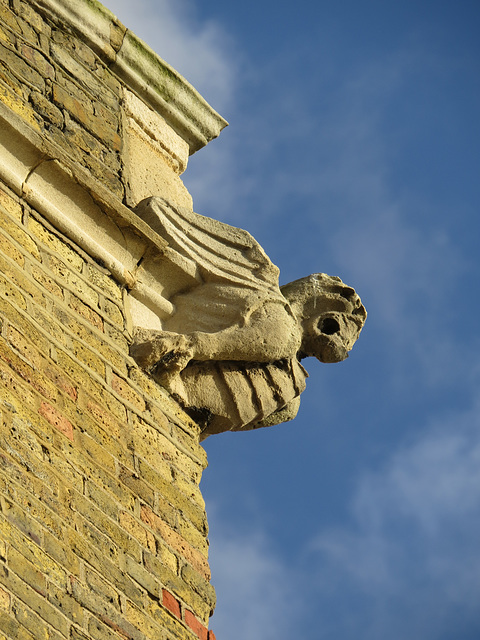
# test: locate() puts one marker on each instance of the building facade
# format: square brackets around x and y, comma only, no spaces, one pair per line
[103,531]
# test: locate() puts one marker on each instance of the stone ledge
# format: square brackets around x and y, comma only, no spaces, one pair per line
[140,68]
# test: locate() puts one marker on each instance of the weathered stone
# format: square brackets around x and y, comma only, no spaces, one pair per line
[46,109]
[21,69]
[230,350]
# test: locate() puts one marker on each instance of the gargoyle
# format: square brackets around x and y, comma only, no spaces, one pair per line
[230,351]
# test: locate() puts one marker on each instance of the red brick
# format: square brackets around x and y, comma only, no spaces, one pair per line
[56,419]
[171,603]
[211,636]
[196,626]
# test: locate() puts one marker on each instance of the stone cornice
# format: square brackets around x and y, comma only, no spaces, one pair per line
[139,68]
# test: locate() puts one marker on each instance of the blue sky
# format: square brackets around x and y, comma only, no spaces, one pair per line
[353,149]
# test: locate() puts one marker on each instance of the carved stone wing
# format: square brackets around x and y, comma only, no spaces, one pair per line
[221,252]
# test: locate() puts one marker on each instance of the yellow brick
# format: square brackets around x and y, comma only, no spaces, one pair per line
[193,556]
[166,557]
[100,587]
[18,276]
[87,384]
[12,628]
[40,479]
[90,359]
[49,325]
[47,282]
[64,472]
[37,603]
[168,622]
[5,599]
[104,439]
[117,537]
[33,18]
[47,510]
[153,391]
[66,604]
[102,417]
[133,481]
[98,544]
[188,440]
[114,357]
[146,623]
[23,522]
[137,572]
[168,491]
[27,372]
[114,314]
[56,419]
[17,340]
[60,380]
[105,282]
[27,571]
[55,244]
[197,539]
[191,468]
[61,552]
[18,106]
[6,36]
[8,17]
[199,584]
[32,622]
[137,530]
[10,293]
[33,553]
[159,452]
[10,250]
[86,445]
[82,289]
[108,502]
[19,235]
[12,382]
[124,389]
[86,312]
[41,342]
[190,489]
[10,205]
[118,338]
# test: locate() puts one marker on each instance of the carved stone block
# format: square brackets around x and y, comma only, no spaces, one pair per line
[230,349]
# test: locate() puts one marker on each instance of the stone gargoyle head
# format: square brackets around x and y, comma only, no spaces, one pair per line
[330,314]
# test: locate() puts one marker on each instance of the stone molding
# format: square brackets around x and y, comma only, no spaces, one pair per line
[139,68]
[85,211]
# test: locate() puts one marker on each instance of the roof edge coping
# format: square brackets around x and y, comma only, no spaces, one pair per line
[140,68]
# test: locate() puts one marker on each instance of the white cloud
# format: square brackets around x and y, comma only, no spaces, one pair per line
[202,51]
[410,554]
[254,596]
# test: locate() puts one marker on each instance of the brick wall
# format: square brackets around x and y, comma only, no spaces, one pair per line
[62,88]
[103,532]
[102,524]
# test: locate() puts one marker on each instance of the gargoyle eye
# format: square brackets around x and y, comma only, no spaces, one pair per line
[329,326]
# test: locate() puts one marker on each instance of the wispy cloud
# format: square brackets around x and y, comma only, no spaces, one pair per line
[202,51]
[254,597]
[409,558]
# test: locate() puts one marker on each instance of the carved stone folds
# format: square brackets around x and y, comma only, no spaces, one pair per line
[231,347]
